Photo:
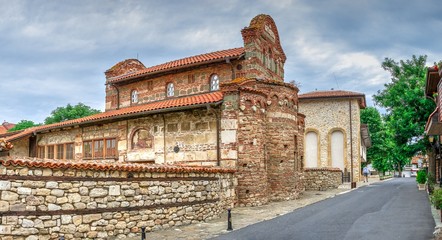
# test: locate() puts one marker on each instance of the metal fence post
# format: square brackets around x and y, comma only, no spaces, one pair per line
[143,233]
[229,220]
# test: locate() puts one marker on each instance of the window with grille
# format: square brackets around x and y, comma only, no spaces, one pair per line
[170,90]
[100,148]
[51,152]
[214,82]
[134,96]
[87,149]
[41,151]
[111,149]
[60,151]
[69,147]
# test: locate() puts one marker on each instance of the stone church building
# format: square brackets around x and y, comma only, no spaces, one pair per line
[334,135]
[228,108]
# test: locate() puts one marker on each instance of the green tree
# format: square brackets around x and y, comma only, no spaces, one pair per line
[23,124]
[407,108]
[70,112]
[379,152]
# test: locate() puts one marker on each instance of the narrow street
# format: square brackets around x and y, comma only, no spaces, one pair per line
[386,210]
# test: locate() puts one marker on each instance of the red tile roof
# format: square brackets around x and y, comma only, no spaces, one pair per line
[319,169]
[212,97]
[184,62]
[130,167]
[5,127]
[334,94]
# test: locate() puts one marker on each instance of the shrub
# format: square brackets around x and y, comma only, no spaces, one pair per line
[431,181]
[436,198]
[421,177]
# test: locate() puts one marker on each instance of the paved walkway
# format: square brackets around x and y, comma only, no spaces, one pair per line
[244,216]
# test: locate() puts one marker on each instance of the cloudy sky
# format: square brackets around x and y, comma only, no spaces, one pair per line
[56,52]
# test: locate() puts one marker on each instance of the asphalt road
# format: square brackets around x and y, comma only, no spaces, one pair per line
[390,210]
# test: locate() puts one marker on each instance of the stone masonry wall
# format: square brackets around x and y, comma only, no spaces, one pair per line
[253,187]
[328,114]
[193,132]
[282,130]
[267,146]
[50,199]
[322,178]
[21,146]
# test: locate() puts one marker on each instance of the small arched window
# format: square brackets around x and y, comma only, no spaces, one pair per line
[264,56]
[134,96]
[214,82]
[170,91]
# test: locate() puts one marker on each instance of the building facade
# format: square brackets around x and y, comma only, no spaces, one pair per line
[433,128]
[334,136]
[229,108]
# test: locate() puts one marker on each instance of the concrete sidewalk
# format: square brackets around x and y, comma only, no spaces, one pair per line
[245,216]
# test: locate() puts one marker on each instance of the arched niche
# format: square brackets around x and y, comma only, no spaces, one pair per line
[141,138]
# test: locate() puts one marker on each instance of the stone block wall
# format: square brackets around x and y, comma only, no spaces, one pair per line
[267,142]
[322,178]
[78,200]
[185,137]
[325,116]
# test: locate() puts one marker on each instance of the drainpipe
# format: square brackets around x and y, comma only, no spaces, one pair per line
[164,137]
[218,124]
[353,185]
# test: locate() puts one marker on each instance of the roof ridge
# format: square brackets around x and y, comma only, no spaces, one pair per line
[204,57]
[126,166]
[189,100]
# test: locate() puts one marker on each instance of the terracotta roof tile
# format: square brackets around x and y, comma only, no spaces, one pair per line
[329,169]
[334,94]
[130,167]
[180,63]
[3,129]
[5,126]
[205,98]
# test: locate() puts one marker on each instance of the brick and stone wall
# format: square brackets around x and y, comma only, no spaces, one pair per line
[187,82]
[50,199]
[322,178]
[187,137]
[267,139]
[255,129]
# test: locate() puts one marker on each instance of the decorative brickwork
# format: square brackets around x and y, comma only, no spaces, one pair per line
[247,121]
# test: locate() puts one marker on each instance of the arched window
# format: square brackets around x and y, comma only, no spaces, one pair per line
[311,147]
[264,55]
[170,91]
[337,149]
[269,59]
[134,96]
[214,82]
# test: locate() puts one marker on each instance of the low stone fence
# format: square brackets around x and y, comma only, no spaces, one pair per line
[82,200]
[322,178]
